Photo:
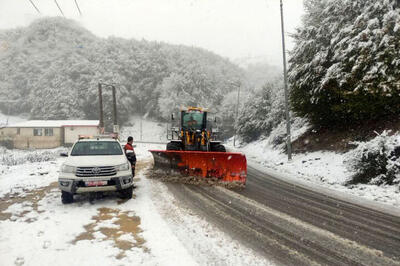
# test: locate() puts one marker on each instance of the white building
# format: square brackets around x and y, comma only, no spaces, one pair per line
[42,134]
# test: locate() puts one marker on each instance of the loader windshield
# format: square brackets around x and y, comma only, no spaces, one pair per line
[192,120]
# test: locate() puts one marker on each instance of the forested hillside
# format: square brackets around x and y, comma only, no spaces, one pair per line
[345,67]
[344,72]
[53,66]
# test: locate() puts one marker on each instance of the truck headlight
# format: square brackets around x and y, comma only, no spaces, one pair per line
[68,169]
[123,167]
[64,183]
[127,179]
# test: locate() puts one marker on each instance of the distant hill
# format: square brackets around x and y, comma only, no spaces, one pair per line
[52,68]
[259,70]
[261,73]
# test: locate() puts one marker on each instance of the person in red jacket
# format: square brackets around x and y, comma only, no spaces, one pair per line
[130,154]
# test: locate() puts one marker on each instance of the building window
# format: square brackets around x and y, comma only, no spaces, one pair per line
[48,132]
[18,131]
[38,132]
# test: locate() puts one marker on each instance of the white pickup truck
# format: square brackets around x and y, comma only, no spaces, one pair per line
[95,165]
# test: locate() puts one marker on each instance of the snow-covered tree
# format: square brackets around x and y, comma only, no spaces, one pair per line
[261,112]
[345,64]
[53,66]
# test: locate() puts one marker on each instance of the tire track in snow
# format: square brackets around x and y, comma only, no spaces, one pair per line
[293,225]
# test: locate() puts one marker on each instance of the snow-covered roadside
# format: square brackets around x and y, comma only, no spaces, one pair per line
[323,168]
[28,170]
[42,231]
[151,229]
[144,130]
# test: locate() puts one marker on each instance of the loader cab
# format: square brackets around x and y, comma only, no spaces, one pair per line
[192,120]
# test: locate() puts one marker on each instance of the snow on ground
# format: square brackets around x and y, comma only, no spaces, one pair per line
[322,168]
[204,242]
[22,170]
[10,119]
[144,130]
[150,229]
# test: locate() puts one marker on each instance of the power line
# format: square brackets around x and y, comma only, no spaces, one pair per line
[37,9]
[59,8]
[77,6]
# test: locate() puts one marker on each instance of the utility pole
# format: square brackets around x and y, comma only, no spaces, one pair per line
[237,114]
[115,116]
[101,124]
[141,120]
[288,138]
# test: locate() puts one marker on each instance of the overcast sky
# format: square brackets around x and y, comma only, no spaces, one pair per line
[231,28]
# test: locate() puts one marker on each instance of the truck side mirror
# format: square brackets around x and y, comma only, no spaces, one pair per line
[215,119]
[172,117]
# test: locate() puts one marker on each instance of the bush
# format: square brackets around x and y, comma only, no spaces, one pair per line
[376,161]
[17,157]
[7,143]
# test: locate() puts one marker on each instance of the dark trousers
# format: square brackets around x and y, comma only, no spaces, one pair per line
[133,168]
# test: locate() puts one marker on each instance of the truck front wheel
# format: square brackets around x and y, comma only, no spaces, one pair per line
[66,197]
[126,193]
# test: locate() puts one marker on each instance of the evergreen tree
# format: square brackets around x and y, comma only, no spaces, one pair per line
[345,64]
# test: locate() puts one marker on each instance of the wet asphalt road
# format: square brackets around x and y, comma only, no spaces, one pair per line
[291,225]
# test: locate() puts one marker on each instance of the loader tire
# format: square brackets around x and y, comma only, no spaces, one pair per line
[173,147]
[219,148]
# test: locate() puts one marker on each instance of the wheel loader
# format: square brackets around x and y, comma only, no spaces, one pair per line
[194,150]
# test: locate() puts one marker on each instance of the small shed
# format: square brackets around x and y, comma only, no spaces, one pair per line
[45,134]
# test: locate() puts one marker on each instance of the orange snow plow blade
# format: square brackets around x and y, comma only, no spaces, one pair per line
[225,166]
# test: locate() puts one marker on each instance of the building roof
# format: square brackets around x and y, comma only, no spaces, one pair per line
[98,139]
[56,123]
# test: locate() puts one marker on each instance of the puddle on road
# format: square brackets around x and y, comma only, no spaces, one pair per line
[126,225]
[31,196]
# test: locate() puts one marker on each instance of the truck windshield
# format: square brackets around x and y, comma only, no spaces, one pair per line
[96,148]
[192,120]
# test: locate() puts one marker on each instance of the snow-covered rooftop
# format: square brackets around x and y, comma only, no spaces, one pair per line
[55,123]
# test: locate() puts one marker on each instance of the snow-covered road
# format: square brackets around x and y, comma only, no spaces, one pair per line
[151,229]
[325,168]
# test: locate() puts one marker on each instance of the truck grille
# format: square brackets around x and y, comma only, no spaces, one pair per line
[95,171]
